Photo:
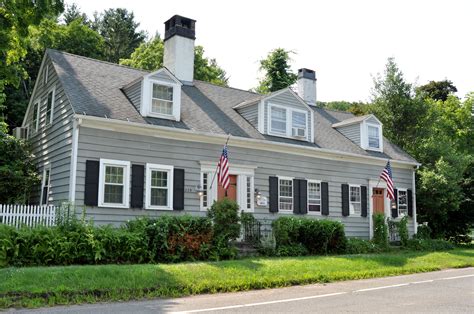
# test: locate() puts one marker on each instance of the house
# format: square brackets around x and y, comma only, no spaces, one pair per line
[125,143]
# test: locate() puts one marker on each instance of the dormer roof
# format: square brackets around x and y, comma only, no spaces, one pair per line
[354,120]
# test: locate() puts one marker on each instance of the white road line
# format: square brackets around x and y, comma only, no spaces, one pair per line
[260,303]
[424,281]
[449,278]
[383,287]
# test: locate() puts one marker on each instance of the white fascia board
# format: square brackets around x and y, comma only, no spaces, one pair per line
[219,139]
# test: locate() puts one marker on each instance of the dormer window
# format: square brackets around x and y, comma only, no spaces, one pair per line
[373,134]
[161,95]
[288,122]
[162,99]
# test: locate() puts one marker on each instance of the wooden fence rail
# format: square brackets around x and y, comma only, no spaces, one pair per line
[28,215]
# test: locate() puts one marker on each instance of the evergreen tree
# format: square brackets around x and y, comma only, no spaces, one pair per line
[278,73]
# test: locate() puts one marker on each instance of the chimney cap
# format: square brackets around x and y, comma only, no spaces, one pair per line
[180,25]
[307,73]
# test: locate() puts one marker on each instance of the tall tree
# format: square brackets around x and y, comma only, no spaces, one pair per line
[73,13]
[278,73]
[149,56]
[120,32]
[16,16]
[437,90]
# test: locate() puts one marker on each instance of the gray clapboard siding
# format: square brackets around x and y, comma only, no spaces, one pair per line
[287,99]
[250,114]
[51,145]
[372,120]
[96,144]
[134,93]
[352,132]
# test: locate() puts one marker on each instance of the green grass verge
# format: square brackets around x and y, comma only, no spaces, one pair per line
[40,286]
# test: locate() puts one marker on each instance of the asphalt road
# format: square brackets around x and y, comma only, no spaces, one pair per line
[448,291]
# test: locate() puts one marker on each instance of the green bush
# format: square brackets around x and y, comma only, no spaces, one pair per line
[429,245]
[380,231]
[423,232]
[297,249]
[316,236]
[225,220]
[360,246]
[403,231]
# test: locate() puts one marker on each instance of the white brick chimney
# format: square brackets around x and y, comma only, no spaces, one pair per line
[307,85]
[180,33]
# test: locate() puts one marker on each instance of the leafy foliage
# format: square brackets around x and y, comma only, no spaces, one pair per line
[294,234]
[360,246]
[120,33]
[18,173]
[437,90]
[149,56]
[356,108]
[278,73]
[380,231]
[429,245]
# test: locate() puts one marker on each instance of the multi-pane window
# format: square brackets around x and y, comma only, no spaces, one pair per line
[46,74]
[45,186]
[314,197]
[159,188]
[205,186]
[354,199]
[159,184]
[114,183]
[402,203]
[162,99]
[374,139]
[49,108]
[249,192]
[278,120]
[286,194]
[35,114]
[298,123]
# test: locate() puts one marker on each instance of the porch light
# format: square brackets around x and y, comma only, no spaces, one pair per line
[199,190]
[394,205]
[258,193]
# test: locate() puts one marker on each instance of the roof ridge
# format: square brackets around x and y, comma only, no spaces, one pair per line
[336,110]
[229,87]
[97,60]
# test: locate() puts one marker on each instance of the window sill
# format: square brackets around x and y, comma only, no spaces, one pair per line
[108,205]
[161,116]
[158,208]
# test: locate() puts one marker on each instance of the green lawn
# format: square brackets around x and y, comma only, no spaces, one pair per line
[39,286]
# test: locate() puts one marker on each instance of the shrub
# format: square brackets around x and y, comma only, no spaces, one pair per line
[429,245]
[267,245]
[225,219]
[297,249]
[380,231]
[403,230]
[360,246]
[423,232]
[316,236]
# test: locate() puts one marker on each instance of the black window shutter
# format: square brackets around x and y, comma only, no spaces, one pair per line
[303,196]
[345,199]
[44,201]
[273,185]
[324,198]
[395,208]
[296,196]
[178,189]
[138,175]
[410,203]
[363,201]
[91,188]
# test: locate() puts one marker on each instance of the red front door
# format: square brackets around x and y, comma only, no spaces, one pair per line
[231,192]
[378,200]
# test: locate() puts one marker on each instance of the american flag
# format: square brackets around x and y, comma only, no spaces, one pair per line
[386,175]
[223,169]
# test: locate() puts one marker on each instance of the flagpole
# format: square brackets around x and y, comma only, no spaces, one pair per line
[215,172]
[388,160]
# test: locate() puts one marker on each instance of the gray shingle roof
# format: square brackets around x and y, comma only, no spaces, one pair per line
[95,88]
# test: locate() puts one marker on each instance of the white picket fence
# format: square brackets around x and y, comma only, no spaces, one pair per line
[28,215]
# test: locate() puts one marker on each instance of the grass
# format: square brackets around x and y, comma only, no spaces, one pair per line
[40,286]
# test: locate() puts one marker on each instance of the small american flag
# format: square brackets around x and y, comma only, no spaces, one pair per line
[223,169]
[386,175]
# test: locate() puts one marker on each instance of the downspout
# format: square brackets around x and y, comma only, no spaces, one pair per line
[415,223]
[72,175]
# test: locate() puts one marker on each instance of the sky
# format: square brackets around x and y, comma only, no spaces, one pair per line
[345,42]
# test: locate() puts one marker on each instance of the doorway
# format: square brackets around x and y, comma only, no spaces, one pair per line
[378,200]
[231,192]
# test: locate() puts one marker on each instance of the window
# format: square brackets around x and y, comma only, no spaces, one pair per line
[278,120]
[49,108]
[287,122]
[354,199]
[114,178]
[249,192]
[402,203]
[46,74]
[162,99]
[159,187]
[45,186]
[205,187]
[314,197]
[35,120]
[374,139]
[285,194]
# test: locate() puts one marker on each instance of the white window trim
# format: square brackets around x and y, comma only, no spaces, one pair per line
[289,121]
[36,118]
[126,183]
[320,199]
[147,93]
[351,209]
[46,74]
[46,168]
[364,136]
[51,118]
[398,202]
[149,169]
[292,195]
